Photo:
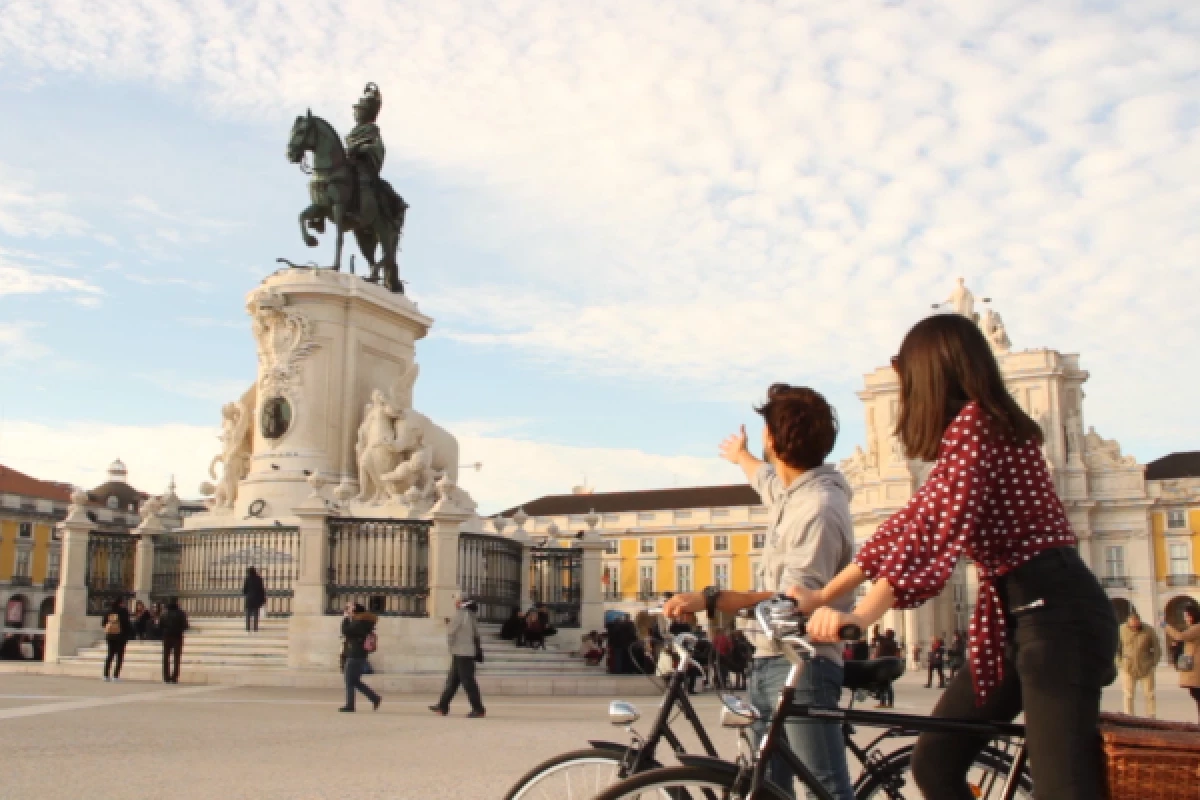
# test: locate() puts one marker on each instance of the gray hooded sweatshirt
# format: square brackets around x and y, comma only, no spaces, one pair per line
[809,538]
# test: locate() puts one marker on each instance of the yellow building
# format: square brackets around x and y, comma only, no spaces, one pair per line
[1174,482]
[30,552]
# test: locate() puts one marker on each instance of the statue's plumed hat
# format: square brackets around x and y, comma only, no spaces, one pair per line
[371,100]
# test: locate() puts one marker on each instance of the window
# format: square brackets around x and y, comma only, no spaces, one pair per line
[612,582]
[612,546]
[683,577]
[645,516]
[683,515]
[21,570]
[53,563]
[721,576]
[1115,561]
[721,543]
[756,575]
[758,541]
[1176,519]
[612,518]
[646,582]
[717,513]
[683,544]
[25,530]
[647,546]
[1179,559]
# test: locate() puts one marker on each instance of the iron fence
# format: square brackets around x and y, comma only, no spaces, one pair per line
[555,578]
[381,563]
[110,563]
[489,571]
[205,570]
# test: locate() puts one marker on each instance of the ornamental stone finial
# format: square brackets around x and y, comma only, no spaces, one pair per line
[499,523]
[520,518]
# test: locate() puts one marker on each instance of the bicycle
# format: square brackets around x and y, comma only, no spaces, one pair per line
[745,779]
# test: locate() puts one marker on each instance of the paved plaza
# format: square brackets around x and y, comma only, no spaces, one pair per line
[72,738]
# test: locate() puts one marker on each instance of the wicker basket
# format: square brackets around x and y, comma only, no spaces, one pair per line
[1151,760]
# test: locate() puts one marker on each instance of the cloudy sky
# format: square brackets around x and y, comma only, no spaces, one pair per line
[627,217]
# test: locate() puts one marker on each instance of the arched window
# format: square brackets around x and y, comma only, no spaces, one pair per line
[45,611]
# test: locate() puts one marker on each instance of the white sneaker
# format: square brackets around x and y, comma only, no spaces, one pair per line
[107,679]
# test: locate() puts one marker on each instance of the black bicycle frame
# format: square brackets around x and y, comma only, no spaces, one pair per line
[775,743]
[676,695]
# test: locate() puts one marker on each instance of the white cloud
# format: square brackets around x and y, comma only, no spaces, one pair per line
[218,391]
[729,194]
[27,211]
[16,345]
[514,470]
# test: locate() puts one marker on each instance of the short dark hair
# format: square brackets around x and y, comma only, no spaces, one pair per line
[359,608]
[802,424]
[1192,612]
[944,363]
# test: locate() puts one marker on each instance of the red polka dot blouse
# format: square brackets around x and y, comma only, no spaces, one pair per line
[987,498]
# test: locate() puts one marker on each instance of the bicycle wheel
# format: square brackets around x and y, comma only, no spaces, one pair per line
[683,783]
[576,775]
[893,780]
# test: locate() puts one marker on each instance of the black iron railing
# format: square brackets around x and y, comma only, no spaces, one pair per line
[1181,580]
[489,571]
[110,561]
[1116,582]
[555,578]
[205,570]
[381,563]
[21,580]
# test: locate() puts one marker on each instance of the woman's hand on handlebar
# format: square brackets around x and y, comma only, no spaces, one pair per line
[685,603]
[826,624]
[807,600]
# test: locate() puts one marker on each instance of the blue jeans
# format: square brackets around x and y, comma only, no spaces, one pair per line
[355,669]
[818,744]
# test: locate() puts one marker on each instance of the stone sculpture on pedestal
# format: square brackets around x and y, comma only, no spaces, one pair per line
[236,445]
[1100,452]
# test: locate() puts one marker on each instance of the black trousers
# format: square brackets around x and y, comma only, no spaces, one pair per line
[1060,655]
[462,673]
[354,670]
[940,673]
[172,654]
[116,650]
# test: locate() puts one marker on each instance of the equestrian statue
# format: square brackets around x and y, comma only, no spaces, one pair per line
[347,190]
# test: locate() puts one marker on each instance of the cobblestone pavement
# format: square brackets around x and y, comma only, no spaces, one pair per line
[72,738]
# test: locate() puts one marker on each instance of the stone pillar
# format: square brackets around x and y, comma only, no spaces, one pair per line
[443,559]
[69,627]
[591,616]
[312,634]
[143,564]
[522,536]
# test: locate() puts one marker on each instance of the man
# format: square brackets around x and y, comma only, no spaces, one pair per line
[172,625]
[463,641]
[937,663]
[1139,654]
[809,539]
[364,145]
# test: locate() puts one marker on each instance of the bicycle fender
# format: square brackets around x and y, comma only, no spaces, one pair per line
[708,762]
[614,747]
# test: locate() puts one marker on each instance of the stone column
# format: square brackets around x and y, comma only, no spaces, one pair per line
[143,564]
[521,535]
[443,559]
[312,634]
[591,617]
[69,627]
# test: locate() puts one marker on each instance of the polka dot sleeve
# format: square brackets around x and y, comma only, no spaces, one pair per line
[916,550]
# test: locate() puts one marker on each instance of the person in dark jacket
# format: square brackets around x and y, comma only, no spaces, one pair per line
[513,630]
[937,663]
[956,656]
[357,625]
[118,630]
[255,592]
[172,625]
[142,619]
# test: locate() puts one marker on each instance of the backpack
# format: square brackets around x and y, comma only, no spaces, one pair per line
[112,625]
[370,642]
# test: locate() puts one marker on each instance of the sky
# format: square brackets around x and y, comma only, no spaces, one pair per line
[627,218]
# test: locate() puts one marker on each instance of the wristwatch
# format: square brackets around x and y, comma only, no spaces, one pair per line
[711,593]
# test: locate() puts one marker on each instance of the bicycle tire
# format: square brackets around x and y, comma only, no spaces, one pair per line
[683,783]
[899,766]
[524,789]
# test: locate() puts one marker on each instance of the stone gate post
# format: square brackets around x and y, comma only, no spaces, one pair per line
[312,637]
[69,627]
[443,559]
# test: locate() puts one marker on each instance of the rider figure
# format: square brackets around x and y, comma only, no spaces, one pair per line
[364,145]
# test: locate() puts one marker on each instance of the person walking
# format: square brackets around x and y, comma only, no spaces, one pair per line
[888,647]
[172,625]
[937,663]
[358,628]
[1188,663]
[255,593]
[1043,636]
[118,630]
[956,656]
[141,619]
[463,641]
[1138,657]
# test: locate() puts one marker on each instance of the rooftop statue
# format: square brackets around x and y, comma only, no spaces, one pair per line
[347,190]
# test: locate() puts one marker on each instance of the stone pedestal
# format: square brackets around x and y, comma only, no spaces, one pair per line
[69,628]
[143,565]
[591,617]
[443,562]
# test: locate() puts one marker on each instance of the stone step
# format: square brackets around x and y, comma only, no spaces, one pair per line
[192,648]
[98,658]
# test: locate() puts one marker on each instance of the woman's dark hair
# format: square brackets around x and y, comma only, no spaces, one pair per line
[359,608]
[117,603]
[803,426]
[945,363]
[1193,612]
[251,572]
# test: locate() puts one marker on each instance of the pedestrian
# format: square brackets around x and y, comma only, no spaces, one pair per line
[1138,657]
[172,626]
[118,630]
[255,593]
[809,540]
[141,619]
[1043,635]
[154,627]
[535,633]
[513,630]
[956,656]
[937,663]
[860,650]
[358,628]
[888,647]
[1188,663]
[463,641]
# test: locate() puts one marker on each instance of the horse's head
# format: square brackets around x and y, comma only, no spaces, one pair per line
[301,139]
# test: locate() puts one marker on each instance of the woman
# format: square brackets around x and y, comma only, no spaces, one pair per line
[118,630]
[937,662]
[357,625]
[888,647]
[141,621]
[1043,637]
[1189,637]
[255,592]
[513,630]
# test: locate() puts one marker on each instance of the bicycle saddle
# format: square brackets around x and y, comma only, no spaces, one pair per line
[878,673]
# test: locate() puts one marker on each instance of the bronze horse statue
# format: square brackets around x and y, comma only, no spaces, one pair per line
[374,213]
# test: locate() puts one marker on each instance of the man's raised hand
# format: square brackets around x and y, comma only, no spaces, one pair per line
[734,445]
